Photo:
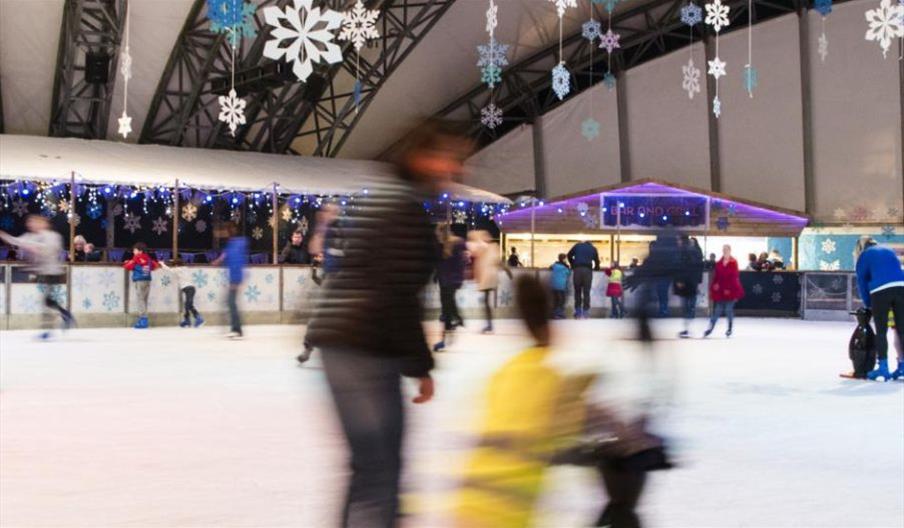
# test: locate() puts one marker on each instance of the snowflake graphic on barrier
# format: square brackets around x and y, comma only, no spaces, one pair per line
[252,293]
[757,289]
[492,54]
[822,47]
[562,5]
[86,303]
[717,107]
[717,15]
[490,75]
[691,82]
[491,116]
[232,111]
[257,233]
[106,277]
[777,279]
[609,41]
[609,80]
[751,79]
[823,7]
[166,280]
[834,265]
[561,81]
[211,296]
[828,246]
[131,222]
[691,14]
[505,297]
[717,68]
[776,297]
[590,128]
[268,278]
[591,30]
[888,230]
[160,226]
[199,279]
[200,226]
[301,279]
[189,212]
[359,25]
[885,24]
[20,207]
[308,39]
[111,301]
[80,281]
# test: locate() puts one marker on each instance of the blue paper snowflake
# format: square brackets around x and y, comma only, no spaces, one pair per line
[751,79]
[490,75]
[610,4]
[823,7]
[234,17]
[111,301]
[252,293]
[561,81]
[590,128]
[6,222]
[199,279]
[722,223]
[691,14]
[591,30]
[166,280]
[492,54]
[95,211]
[609,80]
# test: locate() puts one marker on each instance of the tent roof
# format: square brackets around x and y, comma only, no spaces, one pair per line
[93,161]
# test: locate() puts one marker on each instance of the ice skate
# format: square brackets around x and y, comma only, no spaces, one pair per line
[898,372]
[304,356]
[439,346]
[881,371]
[487,330]
[684,334]
[199,321]
[709,330]
[184,324]
[235,336]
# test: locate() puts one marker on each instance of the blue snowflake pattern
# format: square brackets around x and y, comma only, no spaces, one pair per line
[211,296]
[888,231]
[111,301]
[491,75]
[823,7]
[6,222]
[57,293]
[234,17]
[751,79]
[591,30]
[757,289]
[691,14]
[80,281]
[590,128]
[505,298]
[722,223]
[252,293]
[86,303]
[777,279]
[492,54]
[301,279]
[166,280]
[561,81]
[609,80]
[610,4]
[199,279]
[268,278]
[106,278]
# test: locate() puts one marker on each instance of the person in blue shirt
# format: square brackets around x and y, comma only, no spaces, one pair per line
[880,280]
[559,283]
[235,258]
[583,258]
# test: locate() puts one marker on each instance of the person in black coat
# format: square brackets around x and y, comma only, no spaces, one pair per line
[688,279]
[295,252]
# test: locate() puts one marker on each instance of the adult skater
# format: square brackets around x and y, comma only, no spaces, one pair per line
[724,290]
[368,319]
[294,252]
[880,281]
[487,264]
[324,256]
[450,274]
[688,282]
[583,258]
[235,257]
[514,260]
[42,246]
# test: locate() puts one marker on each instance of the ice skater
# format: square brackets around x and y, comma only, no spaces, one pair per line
[559,283]
[141,265]
[880,281]
[487,263]
[725,290]
[688,282]
[235,257]
[615,292]
[42,246]
[450,274]
[324,256]
[187,290]
[583,258]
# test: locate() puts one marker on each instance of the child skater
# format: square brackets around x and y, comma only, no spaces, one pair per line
[559,282]
[183,282]
[614,291]
[141,265]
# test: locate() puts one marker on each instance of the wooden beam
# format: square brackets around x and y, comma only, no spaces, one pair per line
[806,94]
[624,141]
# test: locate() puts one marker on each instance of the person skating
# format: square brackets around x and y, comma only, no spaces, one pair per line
[725,290]
[450,274]
[187,290]
[615,292]
[42,247]
[688,282]
[514,260]
[583,258]
[880,281]
[235,257]
[141,265]
[487,263]
[559,284]
[324,257]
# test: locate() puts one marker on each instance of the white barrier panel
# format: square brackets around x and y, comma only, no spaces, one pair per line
[98,289]
[299,290]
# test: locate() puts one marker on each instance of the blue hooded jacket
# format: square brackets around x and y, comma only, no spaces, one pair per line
[560,274]
[877,268]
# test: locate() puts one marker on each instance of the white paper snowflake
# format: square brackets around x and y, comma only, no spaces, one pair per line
[63,205]
[583,208]
[562,5]
[717,107]
[491,116]
[189,212]
[271,222]
[834,265]
[885,24]
[590,128]
[561,81]
[200,226]
[20,208]
[828,246]
[131,222]
[717,68]
[359,25]
[822,47]
[160,226]
[125,124]
[717,15]
[257,233]
[492,54]
[307,39]
[691,82]
[591,30]
[609,41]
[492,17]
[232,111]
[125,63]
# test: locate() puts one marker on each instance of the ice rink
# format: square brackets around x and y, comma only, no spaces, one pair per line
[182,428]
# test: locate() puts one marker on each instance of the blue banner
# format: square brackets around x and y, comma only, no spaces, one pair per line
[653,211]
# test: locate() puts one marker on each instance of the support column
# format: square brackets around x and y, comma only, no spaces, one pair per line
[624,142]
[807,108]
[715,162]
[70,217]
[275,224]
[539,158]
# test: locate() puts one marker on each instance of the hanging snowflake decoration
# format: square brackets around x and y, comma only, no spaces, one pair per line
[751,79]
[492,54]
[235,216]
[303,225]
[63,205]
[583,208]
[691,14]
[492,17]
[234,17]
[610,4]
[717,15]
[160,226]
[200,226]
[822,47]
[189,212]
[232,111]
[717,107]
[308,39]
[74,219]
[823,7]
[490,75]
[609,80]
[562,5]
[691,82]
[20,207]
[125,124]
[286,213]
[609,41]
[590,128]
[885,24]
[359,25]
[95,211]
[125,64]
[459,217]
[491,116]
[717,68]
[591,30]
[828,246]
[131,222]
[561,81]
[257,233]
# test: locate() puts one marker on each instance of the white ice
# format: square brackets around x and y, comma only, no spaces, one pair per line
[181,428]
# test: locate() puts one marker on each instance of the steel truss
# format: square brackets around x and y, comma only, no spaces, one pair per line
[79,108]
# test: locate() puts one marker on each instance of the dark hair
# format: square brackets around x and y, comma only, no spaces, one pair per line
[429,135]
[752,257]
[562,257]
[141,246]
[533,305]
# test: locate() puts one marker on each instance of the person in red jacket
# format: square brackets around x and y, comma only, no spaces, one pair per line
[141,265]
[724,290]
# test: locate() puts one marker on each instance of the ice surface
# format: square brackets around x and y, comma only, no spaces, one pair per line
[181,428]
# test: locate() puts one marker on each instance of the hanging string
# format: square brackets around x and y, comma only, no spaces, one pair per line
[590,76]
[749,74]
[125,88]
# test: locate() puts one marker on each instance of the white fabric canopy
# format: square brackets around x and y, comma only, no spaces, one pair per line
[93,161]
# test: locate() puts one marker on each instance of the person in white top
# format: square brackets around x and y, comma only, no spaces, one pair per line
[42,246]
[187,289]
[487,264]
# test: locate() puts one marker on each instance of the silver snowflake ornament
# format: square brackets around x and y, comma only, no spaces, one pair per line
[125,64]
[717,68]
[717,15]
[131,223]
[359,25]
[493,54]
[562,5]
[751,79]
[160,226]
[232,111]
[20,207]
[561,81]
[492,17]
[591,30]
[691,14]
[717,111]
[590,128]
[609,41]
[491,116]
[125,124]
[609,80]
[822,47]
[886,23]
[757,289]
[303,35]
[691,81]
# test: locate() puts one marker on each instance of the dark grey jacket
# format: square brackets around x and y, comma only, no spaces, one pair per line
[371,302]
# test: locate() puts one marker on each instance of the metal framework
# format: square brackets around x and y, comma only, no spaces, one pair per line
[79,108]
[2,121]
